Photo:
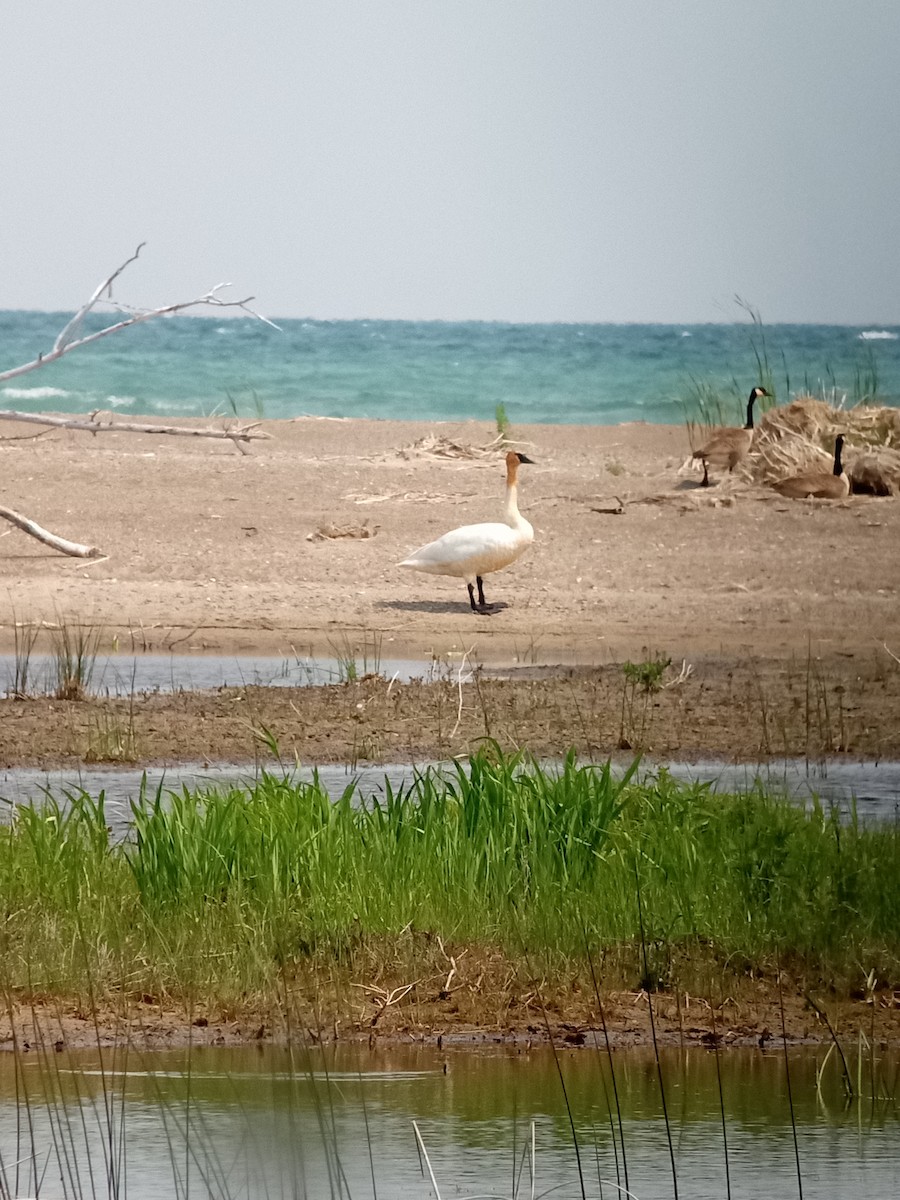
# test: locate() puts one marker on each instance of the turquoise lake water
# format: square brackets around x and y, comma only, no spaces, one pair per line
[568,374]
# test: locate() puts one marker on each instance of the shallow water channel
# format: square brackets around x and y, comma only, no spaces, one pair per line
[872,788]
[258,1122]
[126,675]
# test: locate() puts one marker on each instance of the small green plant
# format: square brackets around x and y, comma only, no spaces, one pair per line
[503,425]
[643,678]
[648,674]
[357,657]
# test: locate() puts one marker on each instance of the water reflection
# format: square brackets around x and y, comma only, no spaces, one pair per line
[250,1122]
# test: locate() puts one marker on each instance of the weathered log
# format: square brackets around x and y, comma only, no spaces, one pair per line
[75,549]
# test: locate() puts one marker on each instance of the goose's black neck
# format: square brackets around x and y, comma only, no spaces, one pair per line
[750,403]
[838,446]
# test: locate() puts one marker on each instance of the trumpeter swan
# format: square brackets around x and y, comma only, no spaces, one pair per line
[475,550]
[727,447]
[824,485]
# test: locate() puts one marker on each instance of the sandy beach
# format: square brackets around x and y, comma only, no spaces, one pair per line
[213,551]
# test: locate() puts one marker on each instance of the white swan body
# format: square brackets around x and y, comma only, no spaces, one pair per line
[473,551]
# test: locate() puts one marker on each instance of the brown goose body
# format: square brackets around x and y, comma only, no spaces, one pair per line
[729,446]
[820,485]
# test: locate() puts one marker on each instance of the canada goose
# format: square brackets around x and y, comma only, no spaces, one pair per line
[474,550]
[821,484]
[726,447]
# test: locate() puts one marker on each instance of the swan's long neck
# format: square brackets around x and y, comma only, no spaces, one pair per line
[511,514]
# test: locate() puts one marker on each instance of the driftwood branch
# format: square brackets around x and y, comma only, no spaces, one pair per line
[69,339]
[94,424]
[75,549]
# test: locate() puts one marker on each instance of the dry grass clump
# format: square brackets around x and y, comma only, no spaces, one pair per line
[434,447]
[799,437]
[333,532]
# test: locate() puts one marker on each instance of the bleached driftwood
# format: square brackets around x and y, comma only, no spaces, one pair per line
[75,549]
[93,424]
[68,340]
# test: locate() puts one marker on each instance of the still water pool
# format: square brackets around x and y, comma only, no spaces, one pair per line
[262,1122]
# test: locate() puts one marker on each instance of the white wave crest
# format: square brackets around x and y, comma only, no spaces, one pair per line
[878,335]
[34,393]
[119,401]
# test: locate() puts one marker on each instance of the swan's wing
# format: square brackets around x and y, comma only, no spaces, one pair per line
[469,550]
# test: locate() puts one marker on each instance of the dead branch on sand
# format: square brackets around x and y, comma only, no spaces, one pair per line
[75,549]
[95,423]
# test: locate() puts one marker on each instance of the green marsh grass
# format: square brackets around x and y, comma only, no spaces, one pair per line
[25,636]
[218,896]
[75,650]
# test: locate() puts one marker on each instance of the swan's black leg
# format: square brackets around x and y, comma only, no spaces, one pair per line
[482,607]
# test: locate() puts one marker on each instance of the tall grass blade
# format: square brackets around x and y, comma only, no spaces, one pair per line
[646,984]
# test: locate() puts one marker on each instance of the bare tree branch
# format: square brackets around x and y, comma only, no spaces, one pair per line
[67,340]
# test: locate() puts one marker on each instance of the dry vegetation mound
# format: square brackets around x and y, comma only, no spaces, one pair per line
[799,437]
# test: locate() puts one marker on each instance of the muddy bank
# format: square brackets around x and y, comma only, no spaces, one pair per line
[517,1014]
[704,707]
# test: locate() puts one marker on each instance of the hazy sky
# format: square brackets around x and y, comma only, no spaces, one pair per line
[558,160]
